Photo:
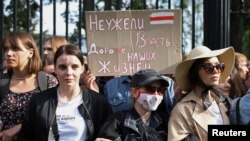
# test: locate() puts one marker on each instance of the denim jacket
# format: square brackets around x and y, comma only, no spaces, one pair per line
[244,109]
[169,95]
[117,91]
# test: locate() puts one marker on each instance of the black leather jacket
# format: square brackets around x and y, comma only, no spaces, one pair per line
[128,126]
[41,112]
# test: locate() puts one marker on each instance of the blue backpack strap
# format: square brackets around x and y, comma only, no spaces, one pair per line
[238,111]
[42,80]
[4,85]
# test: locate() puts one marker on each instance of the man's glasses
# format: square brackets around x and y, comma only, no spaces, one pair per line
[209,68]
[152,89]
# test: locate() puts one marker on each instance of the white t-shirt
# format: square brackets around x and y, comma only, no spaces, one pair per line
[71,125]
[214,109]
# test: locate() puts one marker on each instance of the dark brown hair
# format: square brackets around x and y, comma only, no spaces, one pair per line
[69,49]
[193,74]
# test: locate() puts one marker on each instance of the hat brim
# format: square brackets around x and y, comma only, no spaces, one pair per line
[225,56]
[154,79]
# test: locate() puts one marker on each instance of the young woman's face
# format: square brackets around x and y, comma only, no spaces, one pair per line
[210,71]
[68,70]
[17,57]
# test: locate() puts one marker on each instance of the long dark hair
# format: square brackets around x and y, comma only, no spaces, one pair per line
[193,77]
[193,74]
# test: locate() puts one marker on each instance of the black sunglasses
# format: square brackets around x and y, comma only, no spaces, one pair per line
[152,89]
[209,68]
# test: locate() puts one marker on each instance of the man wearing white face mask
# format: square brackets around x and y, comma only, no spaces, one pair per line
[144,121]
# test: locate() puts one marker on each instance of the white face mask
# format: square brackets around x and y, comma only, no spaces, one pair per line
[149,101]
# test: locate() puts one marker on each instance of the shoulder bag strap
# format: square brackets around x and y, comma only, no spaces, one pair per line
[4,85]
[238,111]
[42,80]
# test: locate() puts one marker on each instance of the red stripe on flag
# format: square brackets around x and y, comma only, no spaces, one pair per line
[159,18]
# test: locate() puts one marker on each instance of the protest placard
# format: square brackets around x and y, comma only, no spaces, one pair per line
[124,42]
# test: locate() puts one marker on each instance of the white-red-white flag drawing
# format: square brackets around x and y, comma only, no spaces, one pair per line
[162,18]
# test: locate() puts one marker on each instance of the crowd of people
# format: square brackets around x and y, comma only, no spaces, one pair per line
[55,97]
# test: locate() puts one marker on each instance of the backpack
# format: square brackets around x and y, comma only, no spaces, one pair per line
[5,82]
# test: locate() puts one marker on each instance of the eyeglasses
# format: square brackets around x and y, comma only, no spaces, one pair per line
[152,89]
[209,68]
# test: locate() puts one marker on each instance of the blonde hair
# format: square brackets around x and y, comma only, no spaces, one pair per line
[56,42]
[239,57]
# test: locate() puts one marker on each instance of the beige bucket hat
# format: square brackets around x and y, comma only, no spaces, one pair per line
[225,55]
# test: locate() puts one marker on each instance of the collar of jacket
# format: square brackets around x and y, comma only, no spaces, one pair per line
[53,104]
[204,117]
[132,118]
[84,110]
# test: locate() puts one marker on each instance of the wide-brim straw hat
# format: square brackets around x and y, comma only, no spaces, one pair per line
[225,55]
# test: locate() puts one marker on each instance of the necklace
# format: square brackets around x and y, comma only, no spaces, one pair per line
[20,78]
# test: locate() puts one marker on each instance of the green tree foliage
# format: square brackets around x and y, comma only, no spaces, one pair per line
[246,30]
[240,27]
[237,39]
[21,16]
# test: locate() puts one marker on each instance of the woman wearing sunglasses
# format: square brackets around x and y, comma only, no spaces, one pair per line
[199,75]
[144,121]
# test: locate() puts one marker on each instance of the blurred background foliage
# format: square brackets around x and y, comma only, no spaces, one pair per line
[239,20]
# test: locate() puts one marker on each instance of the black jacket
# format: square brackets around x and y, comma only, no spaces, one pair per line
[41,112]
[128,126]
